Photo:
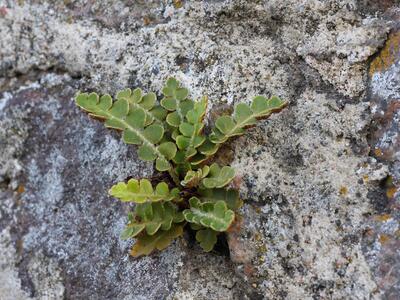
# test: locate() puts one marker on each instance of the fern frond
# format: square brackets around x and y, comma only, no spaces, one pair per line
[193,178]
[162,239]
[152,217]
[212,215]
[229,196]
[147,102]
[244,116]
[142,191]
[176,102]
[207,238]
[190,135]
[218,177]
[132,121]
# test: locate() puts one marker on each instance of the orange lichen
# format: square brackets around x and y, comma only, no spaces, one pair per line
[383,218]
[178,3]
[390,192]
[384,238]
[343,191]
[378,152]
[388,55]
[146,20]
[258,236]
[20,189]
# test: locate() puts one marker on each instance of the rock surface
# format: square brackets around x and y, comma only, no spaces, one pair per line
[319,180]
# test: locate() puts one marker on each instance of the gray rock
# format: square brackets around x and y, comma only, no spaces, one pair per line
[316,217]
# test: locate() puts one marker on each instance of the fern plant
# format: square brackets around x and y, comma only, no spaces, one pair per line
[171,133]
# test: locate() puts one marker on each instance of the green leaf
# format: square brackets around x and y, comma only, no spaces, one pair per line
[229,196]
[92,104]
[162,189]
[148,101]
[162,239]
[154,133]
[208,148]
[147,153]
[136,118]
[175,100]
[211,215]
[168,149]
[119,109]
[196,114]
[137,100]
[177,115]
[178,217]
[196,227]
[173,119]
[244,116]
[193,178]
[198,159]
[141,191]
[132,120]
[162,165]
[207,238]
[218,177]
[226,125]
[134,96]
[186,129]
[151,217]
[191,136]
[159,113]
[128,232]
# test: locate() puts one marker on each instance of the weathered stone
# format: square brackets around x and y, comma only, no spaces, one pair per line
[320,218]
[381,239]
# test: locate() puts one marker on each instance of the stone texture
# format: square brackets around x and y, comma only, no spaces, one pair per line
[319,180]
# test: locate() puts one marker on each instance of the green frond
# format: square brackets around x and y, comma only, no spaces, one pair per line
[207,238]
[244,116]
[193,178]
[151,217]
[176,102]
[218,177]
[142,191]
[229,196]
[136,99]
[190,135]
[211,215]
[146,244]
[132,121]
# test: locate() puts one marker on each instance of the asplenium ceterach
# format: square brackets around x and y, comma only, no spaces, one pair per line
[170,132]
